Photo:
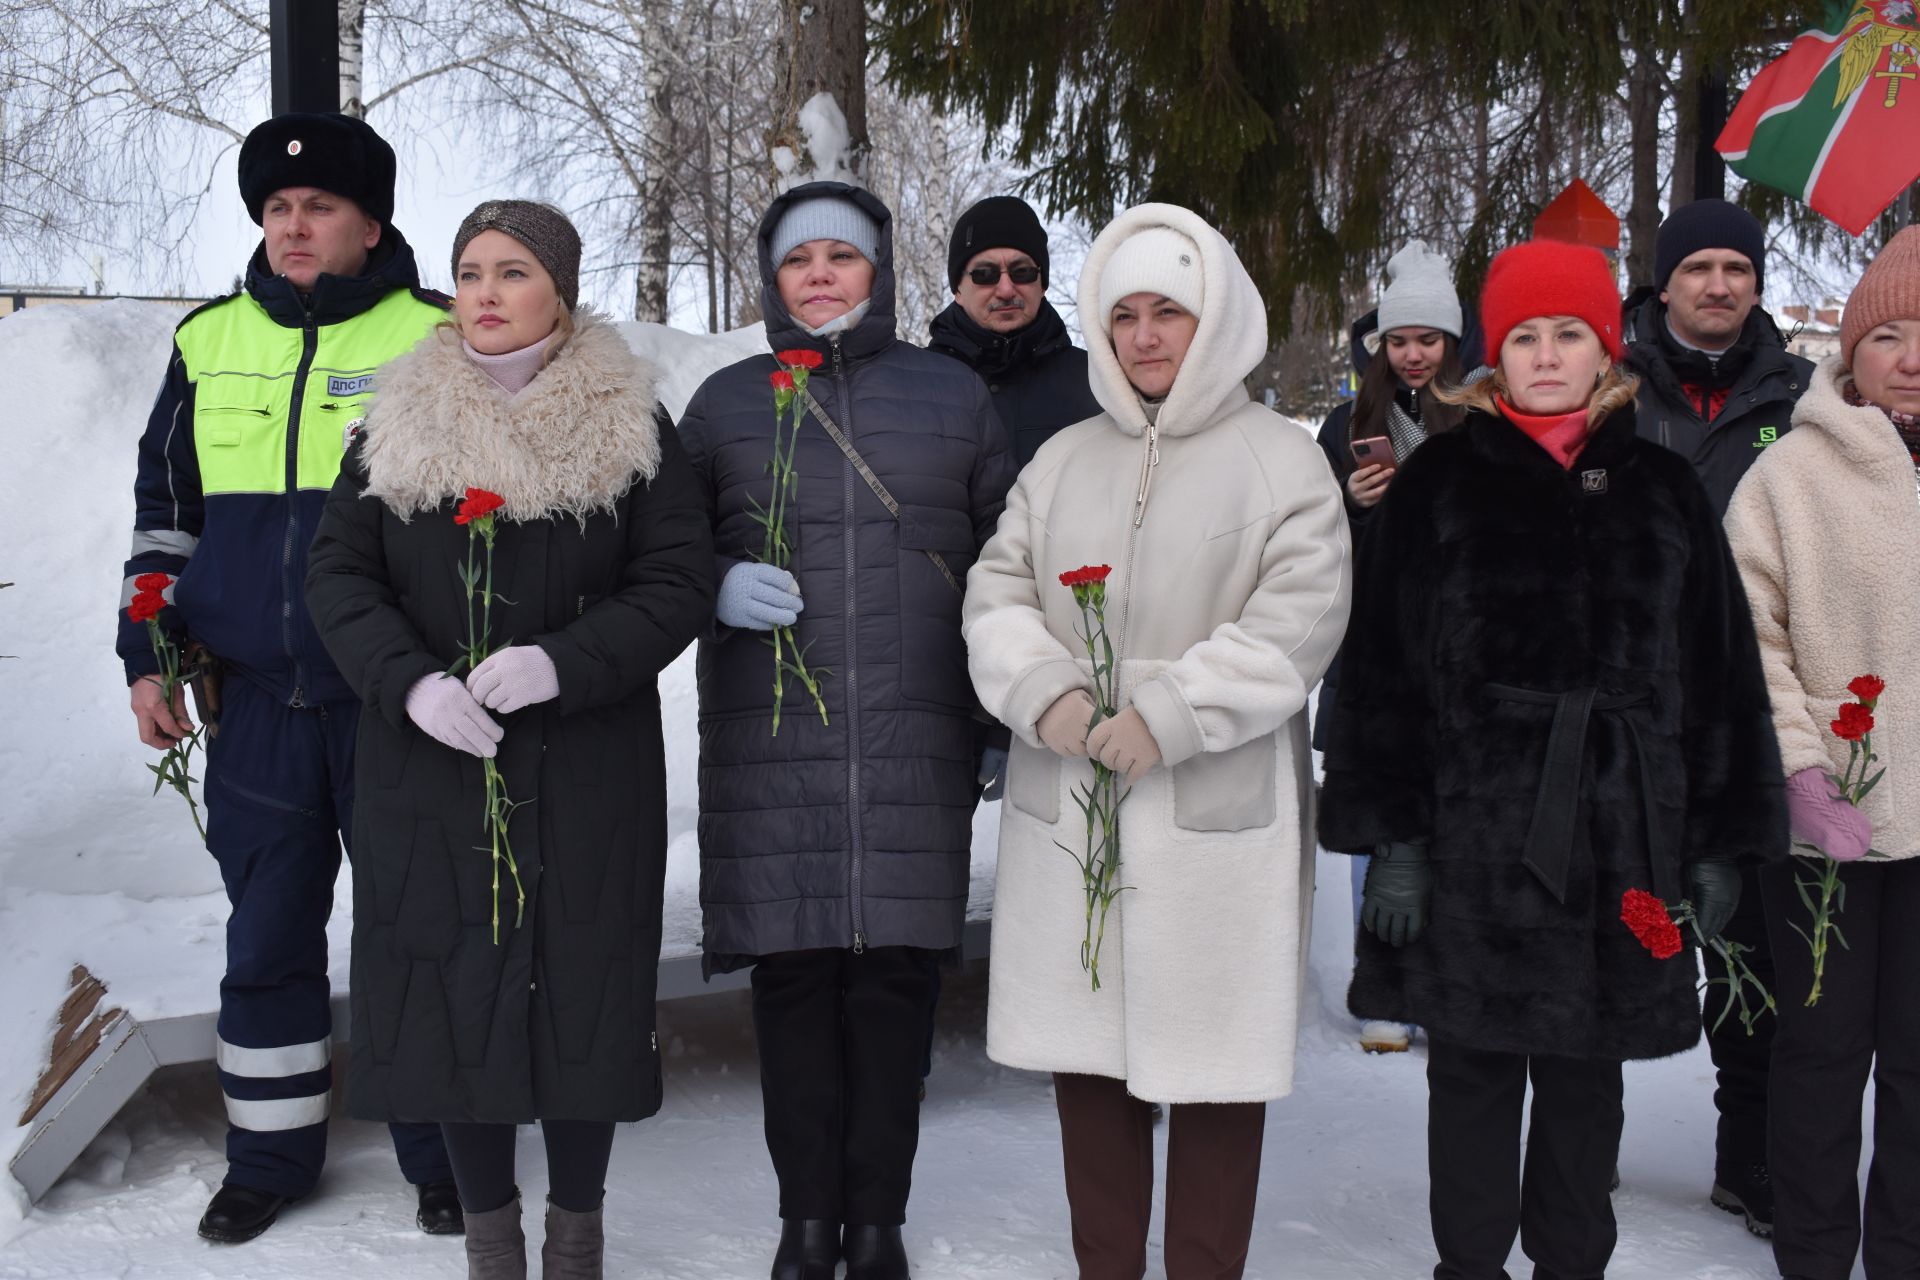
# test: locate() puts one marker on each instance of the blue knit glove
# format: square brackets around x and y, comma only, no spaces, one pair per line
[758,597]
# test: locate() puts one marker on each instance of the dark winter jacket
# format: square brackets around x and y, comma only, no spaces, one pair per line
[241,446]
[1498,592]
[1037,377]
[603,558]
[854,832]
[1718,415]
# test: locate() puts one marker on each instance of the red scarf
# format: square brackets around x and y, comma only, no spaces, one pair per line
[1563,435]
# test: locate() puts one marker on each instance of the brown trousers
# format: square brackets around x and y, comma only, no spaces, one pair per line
[1213,1177]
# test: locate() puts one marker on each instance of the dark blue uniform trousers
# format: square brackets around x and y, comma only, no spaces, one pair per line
[279,803]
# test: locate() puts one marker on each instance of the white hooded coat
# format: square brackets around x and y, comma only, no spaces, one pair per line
[1228,598]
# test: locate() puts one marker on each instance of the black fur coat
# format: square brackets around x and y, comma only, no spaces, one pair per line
[1496,593]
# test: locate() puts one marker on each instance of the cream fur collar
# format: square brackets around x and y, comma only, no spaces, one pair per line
[571,443]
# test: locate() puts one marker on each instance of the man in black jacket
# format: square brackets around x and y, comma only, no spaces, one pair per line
[1718,385]
[1002,326]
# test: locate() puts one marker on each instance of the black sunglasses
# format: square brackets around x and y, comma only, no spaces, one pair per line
[987,274]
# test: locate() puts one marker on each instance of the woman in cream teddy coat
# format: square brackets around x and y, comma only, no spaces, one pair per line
[1824,529]
[1228,597]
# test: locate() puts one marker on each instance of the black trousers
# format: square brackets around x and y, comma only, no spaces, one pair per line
[1867,1021]
[1480,1197]
[577,1155]
[842,1040]
[1741,1061]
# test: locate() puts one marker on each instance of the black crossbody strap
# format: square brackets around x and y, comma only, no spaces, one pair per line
[873,481]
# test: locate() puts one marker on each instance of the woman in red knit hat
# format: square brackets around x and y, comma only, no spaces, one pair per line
[1817,526]
[1551,695]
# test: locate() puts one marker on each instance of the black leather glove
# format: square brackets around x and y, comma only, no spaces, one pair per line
[1393,905]
[1714,888]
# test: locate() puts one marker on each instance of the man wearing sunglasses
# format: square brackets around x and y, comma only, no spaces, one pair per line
[1002,325]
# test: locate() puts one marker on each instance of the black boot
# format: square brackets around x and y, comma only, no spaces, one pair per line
[809,1249]
[439,1213]
[237,1214]
[1747,1190]
[875,1253]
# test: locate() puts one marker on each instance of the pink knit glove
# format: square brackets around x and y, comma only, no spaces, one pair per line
[1819,816]
[514,678]
[447,713]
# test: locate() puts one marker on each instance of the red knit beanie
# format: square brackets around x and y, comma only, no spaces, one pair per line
[1549,278]
[1890,290]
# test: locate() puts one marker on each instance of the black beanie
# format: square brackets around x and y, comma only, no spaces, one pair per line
[1709,224]
[998,222]
[333,152]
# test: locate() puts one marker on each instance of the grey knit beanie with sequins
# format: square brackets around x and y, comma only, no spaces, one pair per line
[546,232]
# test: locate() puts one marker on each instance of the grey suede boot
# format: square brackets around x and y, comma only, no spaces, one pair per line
[496,1247]
[575,1247]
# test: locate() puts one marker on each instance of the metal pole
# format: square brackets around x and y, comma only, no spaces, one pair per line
[1709,170]
[306,55]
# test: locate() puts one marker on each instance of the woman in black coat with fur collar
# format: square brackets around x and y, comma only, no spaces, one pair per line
[1552,694]
[465,1009]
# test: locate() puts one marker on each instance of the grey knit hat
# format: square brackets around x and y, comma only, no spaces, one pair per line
[1419,292]
[826,218]
[546,232]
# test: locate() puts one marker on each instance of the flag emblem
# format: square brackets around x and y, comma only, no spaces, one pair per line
[1835,121]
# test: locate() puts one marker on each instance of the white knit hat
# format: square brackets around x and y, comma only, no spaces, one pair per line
[1419,293]
[1155,260]
[826,218]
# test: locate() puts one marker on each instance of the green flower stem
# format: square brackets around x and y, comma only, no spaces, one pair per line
[175,768]
[1100,866]
[499,805]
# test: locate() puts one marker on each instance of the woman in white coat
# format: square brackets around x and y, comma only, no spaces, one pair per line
[1227,599]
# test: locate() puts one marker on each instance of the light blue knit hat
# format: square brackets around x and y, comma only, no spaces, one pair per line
[826,218]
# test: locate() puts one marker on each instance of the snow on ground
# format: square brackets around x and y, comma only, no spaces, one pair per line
[691,1195]
[93,870]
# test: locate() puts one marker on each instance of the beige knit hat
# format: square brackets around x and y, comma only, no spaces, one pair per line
[1890,290]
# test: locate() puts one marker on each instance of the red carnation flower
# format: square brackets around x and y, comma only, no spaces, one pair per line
[1867,688]
[1855,722]
[802,357]
[153,582]
[1085,574]
[479,502]
[146,604]
[781,379]
[1650,921]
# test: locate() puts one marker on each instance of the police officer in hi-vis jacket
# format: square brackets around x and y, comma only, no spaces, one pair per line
[265,388]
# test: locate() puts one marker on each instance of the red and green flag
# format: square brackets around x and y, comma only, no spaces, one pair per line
[1835,122]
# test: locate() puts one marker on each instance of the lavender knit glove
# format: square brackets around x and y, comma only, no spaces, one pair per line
[447,713]
[1819,816]
[514,678]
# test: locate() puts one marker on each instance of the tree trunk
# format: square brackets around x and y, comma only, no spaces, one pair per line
[1686,121]
[1643,113]
[1482,157]
[826,52]
[353,28]
[656,203]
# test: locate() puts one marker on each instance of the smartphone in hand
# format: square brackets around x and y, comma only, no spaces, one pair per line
[1374,451]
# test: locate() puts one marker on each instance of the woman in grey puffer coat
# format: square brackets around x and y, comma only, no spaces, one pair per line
[834,856]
